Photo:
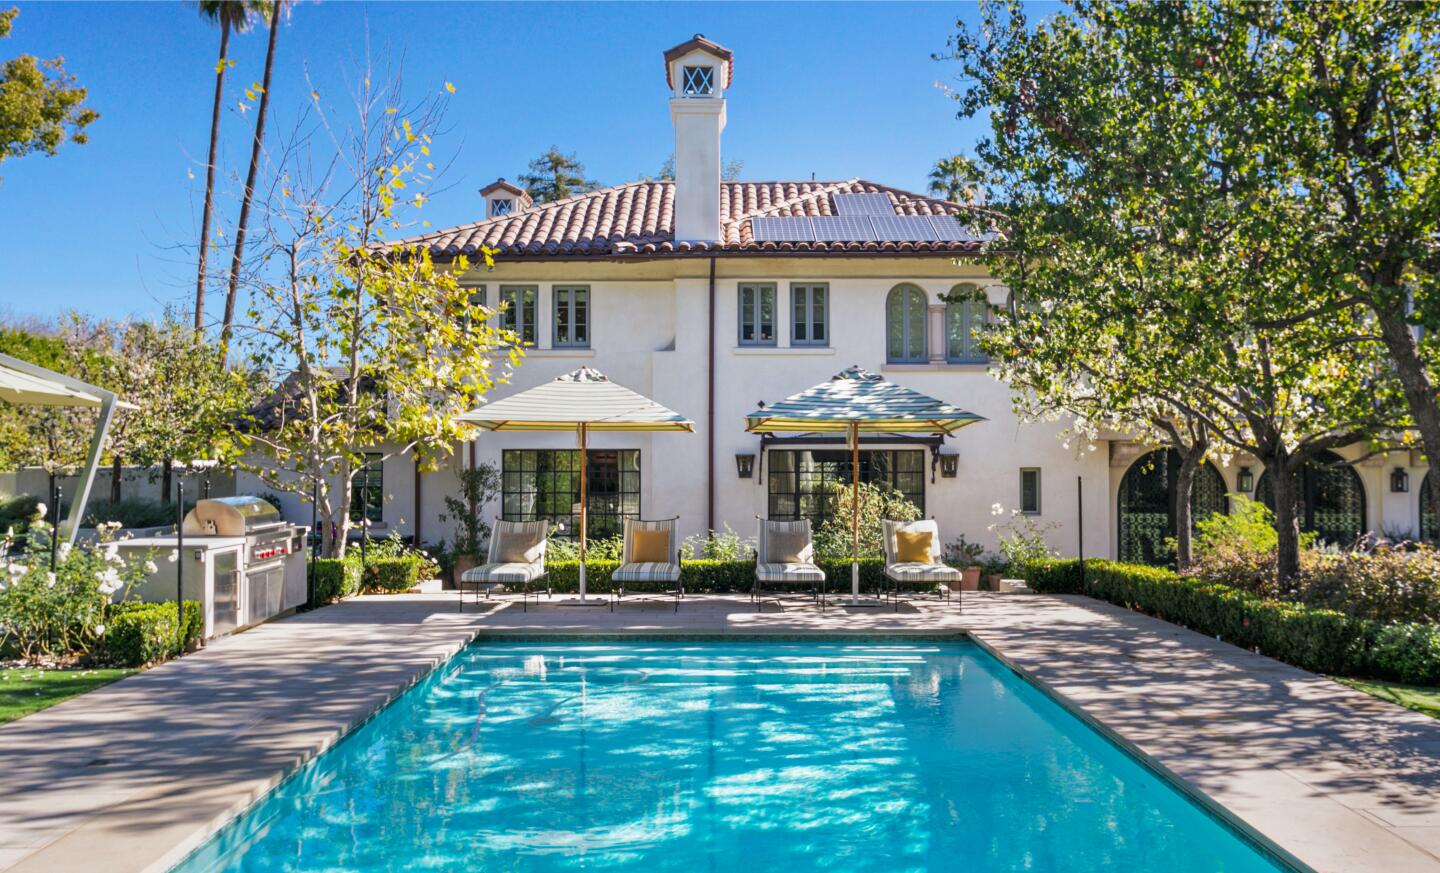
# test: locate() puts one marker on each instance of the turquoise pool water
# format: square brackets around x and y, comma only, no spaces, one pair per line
[698,757]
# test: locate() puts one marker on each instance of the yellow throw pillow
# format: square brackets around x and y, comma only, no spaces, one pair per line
[651,547]
[913,546]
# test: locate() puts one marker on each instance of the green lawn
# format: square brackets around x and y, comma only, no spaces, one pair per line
[23,691]
[1418,698]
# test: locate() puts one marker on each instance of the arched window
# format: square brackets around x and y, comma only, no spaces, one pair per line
[1147,509]
[1332,499]
[966,312]
[1429,524]
[905,317]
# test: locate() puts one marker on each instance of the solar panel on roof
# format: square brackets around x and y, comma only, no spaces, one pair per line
[842,228]
[903,228]
[949,229]
[782,229]
[863,204]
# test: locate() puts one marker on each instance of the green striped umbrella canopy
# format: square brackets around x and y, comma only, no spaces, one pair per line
[581,401]
[857,398]
[856,401]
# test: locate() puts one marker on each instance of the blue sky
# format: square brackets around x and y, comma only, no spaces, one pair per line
[837,90]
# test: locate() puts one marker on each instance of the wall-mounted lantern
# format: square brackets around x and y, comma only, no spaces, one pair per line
[745,465]
[1399,480]
[1245,482]
[949,466]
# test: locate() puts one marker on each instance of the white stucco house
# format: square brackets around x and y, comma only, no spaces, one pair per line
[713,296]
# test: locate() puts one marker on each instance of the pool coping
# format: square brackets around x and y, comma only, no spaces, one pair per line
[481,635]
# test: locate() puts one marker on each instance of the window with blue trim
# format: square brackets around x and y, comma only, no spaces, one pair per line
[757,314]
[966,312]
[809,314]
[906,314]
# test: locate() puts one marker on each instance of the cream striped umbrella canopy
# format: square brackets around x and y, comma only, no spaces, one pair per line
[582,401]
[856,401]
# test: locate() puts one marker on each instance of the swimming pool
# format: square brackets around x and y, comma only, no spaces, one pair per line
[693,756]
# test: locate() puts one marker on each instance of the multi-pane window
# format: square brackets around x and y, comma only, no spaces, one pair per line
[803,481]
[965,316]
[809,314]
[572,316]
[1030,490]
[501,206]
[905,316]
[757,314]
[698,81]
[476,297]
[367,490]
[538,484]
[519,311]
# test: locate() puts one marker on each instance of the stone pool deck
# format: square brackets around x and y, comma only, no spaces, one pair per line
[132,776]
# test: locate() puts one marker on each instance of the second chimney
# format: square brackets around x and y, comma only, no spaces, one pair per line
[698,73]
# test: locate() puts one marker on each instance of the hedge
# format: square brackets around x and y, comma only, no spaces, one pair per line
[139,633]
[714,577]
[335,578]
[1320,640]
[392,575]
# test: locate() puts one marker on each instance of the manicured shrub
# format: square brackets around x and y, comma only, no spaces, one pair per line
[335,579]
[713,577]
[1408,653]
[140,633]
[1320,640]
[391,575]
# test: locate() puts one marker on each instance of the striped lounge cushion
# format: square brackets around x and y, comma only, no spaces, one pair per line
[792,573]
[503,574]
[922,573]
[646,572]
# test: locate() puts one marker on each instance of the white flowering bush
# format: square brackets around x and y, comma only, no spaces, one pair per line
[48,613]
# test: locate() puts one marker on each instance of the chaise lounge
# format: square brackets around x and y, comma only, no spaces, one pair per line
[516,559]
[912,557]
[646,558]
[785,564]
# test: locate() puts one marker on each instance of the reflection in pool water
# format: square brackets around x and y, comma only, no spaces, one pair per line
[751,757]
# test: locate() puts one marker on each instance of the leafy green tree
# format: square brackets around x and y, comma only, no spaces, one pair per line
[40,105]
[230,16]
[834,539]
[1155,238]
[55,438]
[555,176]
[367,346]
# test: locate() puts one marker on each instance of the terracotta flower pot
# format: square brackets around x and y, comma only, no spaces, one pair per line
[462,563]
[970,578]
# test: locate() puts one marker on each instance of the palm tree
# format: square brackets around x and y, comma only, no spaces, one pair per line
[231,15]
[233,285]
[954,178]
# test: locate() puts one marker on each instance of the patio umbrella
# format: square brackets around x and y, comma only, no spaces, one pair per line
[856,401]
[23,383]
[582,401]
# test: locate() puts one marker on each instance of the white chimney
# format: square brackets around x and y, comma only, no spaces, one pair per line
[698,72]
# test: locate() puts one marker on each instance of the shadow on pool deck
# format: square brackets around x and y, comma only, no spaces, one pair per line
[140,771]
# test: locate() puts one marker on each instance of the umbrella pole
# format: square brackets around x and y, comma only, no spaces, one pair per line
[854,512]
[584,501]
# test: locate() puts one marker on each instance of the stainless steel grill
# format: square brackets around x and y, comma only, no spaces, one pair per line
[272,568]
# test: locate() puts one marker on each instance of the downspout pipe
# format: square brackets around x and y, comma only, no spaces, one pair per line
[710,415]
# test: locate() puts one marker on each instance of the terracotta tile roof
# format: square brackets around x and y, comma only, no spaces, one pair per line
[638,219]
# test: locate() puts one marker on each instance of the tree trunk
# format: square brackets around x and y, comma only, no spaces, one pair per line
[233,285]
[1419,390]
[210,174]
[115,470]
[1287,518]
[167,469]
[1184,484]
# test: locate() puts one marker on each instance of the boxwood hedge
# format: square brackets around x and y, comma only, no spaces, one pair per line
[139,633]
[1320,640]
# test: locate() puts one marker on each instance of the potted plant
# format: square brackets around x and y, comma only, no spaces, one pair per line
[478,486]
[993,567]
[966,555]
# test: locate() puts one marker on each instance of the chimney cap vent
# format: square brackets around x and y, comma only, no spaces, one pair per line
[698,42]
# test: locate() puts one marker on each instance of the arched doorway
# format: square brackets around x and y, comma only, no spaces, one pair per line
[1332,499]
[1147,512]
[1429,524]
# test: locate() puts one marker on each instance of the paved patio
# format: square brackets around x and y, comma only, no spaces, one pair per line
[141,771]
